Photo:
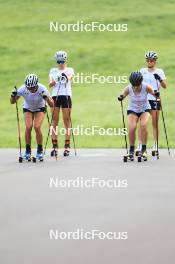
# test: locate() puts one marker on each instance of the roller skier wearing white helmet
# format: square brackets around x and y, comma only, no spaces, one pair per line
[60,79]
[156,78]
[138,110]
[34,107]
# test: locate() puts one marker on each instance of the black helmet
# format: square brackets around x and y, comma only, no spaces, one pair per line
[136,78]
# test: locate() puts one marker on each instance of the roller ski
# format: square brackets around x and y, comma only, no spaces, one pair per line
[66,152]
[137,151]
[155,153]
[142,156]
[20,159]
[128,157]
[39,156]
[27,155]
[54,152]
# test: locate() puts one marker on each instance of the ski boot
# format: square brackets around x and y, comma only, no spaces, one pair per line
[155,153]
[39,157]
[39,154]
[54,152]
[138,149]
[27,157]
[66,150]
[129,157]
[142,156]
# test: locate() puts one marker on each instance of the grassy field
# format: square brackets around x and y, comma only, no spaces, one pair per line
[28,46]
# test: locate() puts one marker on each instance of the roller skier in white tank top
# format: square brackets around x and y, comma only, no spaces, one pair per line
[156,78]
[60,79]
[34,107]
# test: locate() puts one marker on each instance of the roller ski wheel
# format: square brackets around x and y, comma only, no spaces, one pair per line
[125,159]
[66,152]
[20,159]
[34,159]
[129,157]
[137,153]
[54,153]
[139,159]
[39,157]
[27,157]
[142,157]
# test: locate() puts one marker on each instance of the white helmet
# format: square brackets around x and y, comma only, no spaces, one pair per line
[151,55]
[31,80]
[61,56]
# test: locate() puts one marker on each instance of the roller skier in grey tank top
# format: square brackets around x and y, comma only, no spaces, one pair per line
[138,109]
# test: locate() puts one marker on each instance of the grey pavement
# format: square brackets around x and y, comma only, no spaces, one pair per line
[29,209]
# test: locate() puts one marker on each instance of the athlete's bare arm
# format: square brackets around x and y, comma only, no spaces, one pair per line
[150,90]
[125,92]
[50,101]
[70,77]
[51,82]
[14,99]
[163,84]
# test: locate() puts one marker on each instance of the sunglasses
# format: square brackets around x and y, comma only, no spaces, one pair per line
[150,60]
[60,62]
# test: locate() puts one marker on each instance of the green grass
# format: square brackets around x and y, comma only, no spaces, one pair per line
[28,46]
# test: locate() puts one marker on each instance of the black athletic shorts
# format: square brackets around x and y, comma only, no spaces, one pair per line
[138,114]
[155,105]
[42,109]
[62,101]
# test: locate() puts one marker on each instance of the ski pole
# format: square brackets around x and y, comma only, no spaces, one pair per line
[157,129]
[166,136]
[164,124]
[18,125]
[48,119]
[52,121]
[124,126]
[72,133]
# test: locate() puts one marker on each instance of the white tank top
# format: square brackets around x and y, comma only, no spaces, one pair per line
[149,78]
[33,101]
[61,88]
[138,102]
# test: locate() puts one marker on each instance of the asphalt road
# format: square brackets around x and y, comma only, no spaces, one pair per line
[30,208]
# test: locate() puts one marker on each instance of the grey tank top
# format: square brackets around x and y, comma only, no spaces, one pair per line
[138,102]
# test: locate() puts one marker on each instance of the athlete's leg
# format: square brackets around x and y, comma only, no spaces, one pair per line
[39,118]
[28,117]
[132,123]
[139,138]
[144,118]
[66,120]
[55,113]
[155,126]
